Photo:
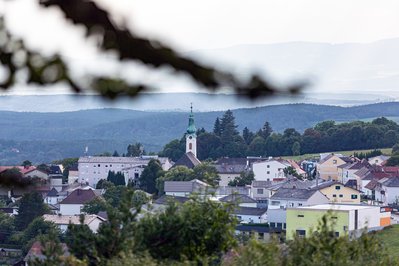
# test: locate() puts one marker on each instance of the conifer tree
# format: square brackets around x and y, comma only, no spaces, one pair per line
[217,129]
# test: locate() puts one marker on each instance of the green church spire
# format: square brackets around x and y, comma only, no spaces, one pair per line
[191,130]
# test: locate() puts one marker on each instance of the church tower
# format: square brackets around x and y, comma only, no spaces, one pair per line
[191,135]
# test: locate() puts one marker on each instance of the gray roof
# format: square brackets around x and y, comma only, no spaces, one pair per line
[52,193]
[237,198]
[293,193]
[362,172]
[125,160]
[249,211]
[188,159]
[163,200]
[185,186]
[296,183]
[227,190]
[262,184]
[391,182]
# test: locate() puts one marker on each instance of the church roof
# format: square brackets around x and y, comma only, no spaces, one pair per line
[188,159]
[191,127]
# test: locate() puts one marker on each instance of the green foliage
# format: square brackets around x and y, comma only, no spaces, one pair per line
[135,150]
[103,184]
[147,179]
[95,206]
[26,163]
[367,155]
[255,253]
[207,173]
[191,231]
[178,173]
[36,228]
[395,148]
[31,205]
[291,171]
[118,178]
[114,194]
[244,179]
[393,161]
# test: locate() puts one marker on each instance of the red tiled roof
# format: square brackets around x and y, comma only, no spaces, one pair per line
[22,169]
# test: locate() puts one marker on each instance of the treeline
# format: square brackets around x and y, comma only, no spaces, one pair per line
[225,140]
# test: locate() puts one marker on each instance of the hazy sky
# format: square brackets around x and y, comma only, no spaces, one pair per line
[191,25]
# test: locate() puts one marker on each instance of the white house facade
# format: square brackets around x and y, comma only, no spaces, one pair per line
[269,170]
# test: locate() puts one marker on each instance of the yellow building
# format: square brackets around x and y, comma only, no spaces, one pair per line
[328,166]
[336,192]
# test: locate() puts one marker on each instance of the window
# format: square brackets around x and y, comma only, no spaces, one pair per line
[106,165]
[341,196]
[334,195]
[334,217]
[261,236]
[99,165]
[275,202]
[345,228]
[272,224]
[334,161]
[268,166]
[284,225]
[268,172]
[353,196]
[136,175]
[301,215]
[260,190]
[190,146]
[279,225]
[239,218]
[301,233]
[299,204]
[337,187]
[336,234]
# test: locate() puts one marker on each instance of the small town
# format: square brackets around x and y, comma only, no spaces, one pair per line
[268,198]
[199,133]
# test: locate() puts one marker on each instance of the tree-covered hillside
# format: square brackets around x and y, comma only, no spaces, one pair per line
[42,137]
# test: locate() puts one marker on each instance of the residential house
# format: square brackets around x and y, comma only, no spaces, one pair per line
[62,221]
[240,200]
[286,198]
[336,192]
[347,171]
[74,202]
[294,197]
[327,167]
[379,160]
[34,172]
[52,197]
[93,169]
[270,170]
[185,188]
[387,190]
[259,232]
[250,215]
[348,219]
[230,168]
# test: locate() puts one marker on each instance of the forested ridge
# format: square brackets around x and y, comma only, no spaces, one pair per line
[44,137]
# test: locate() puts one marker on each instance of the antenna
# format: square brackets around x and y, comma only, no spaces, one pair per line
[191,107]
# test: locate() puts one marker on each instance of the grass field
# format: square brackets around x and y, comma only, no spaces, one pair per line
[386,151]
[390,237]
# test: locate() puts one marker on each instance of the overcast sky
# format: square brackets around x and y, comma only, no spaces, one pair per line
[192,25]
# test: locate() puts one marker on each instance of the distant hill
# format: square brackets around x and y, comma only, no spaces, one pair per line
[43,137]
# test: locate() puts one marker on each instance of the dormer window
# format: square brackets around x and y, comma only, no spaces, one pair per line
[334,161]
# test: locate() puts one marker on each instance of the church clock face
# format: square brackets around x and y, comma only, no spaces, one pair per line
[190,137]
